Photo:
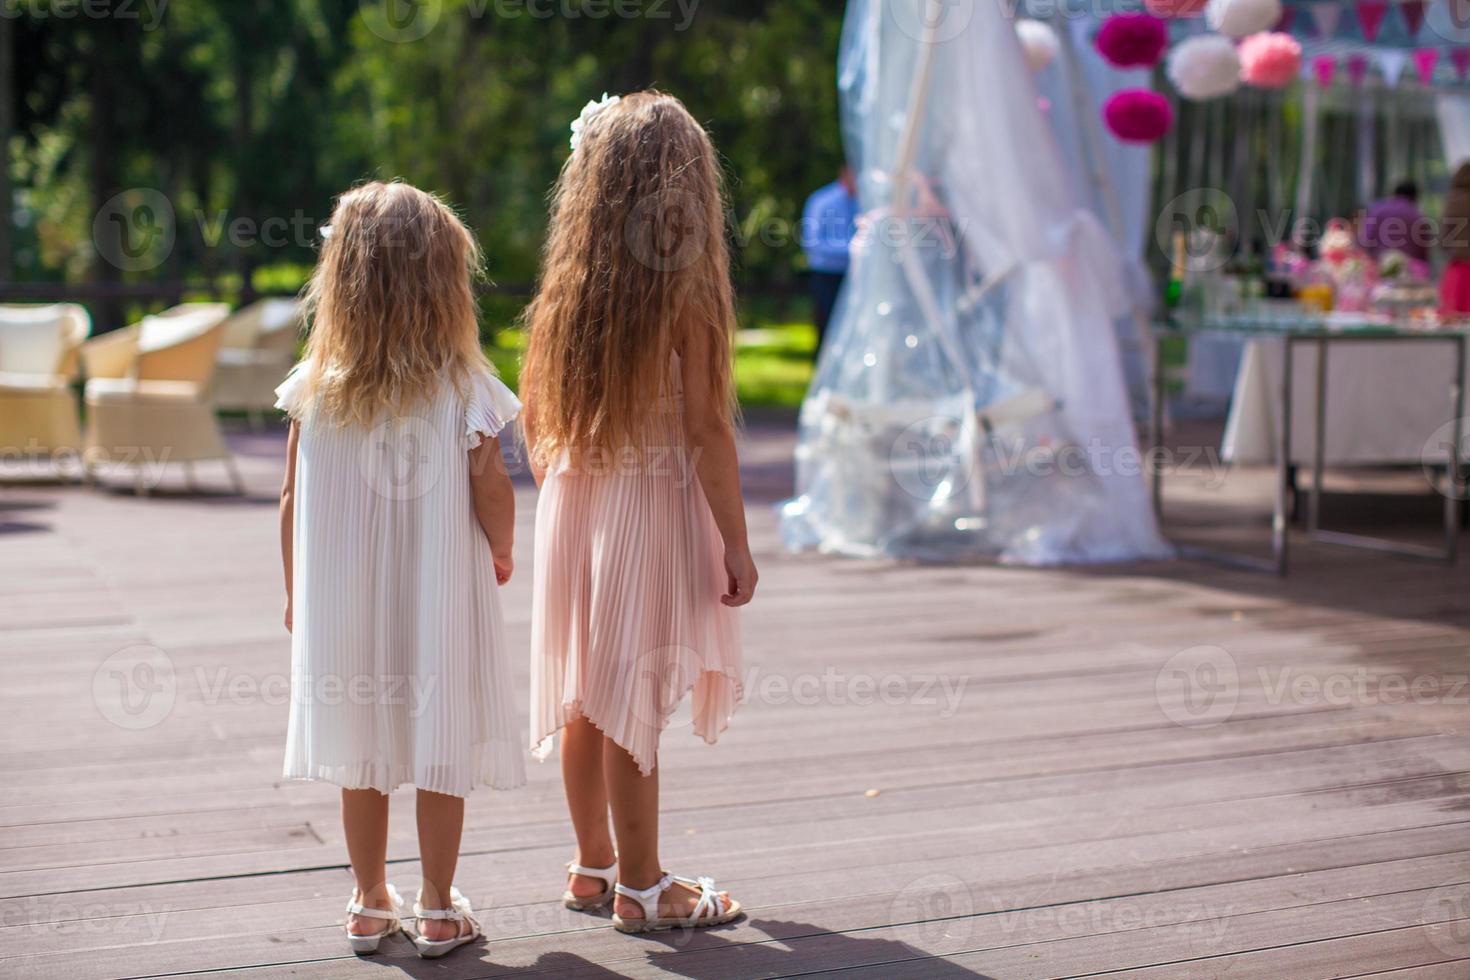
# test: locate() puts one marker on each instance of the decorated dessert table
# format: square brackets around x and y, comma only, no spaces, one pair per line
[1298,365]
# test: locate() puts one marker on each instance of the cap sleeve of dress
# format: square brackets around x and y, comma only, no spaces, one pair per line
[491,407]
[289,392]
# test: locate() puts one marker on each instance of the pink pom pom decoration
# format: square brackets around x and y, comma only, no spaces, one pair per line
[1132,40]
[1175,8]
[1137,115]
[1269,60]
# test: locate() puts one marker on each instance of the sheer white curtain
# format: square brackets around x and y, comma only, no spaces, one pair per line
[1453,109]
[970,400]
[1110,177]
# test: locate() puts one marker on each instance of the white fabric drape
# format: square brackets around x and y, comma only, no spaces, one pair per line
[1453,109]
[1111,178]
[970,399]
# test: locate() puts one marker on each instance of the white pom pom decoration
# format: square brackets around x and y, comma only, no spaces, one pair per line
[1038,42]
[1204,67]
[1237,18]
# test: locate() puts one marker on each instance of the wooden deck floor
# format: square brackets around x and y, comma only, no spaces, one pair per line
[1159,771]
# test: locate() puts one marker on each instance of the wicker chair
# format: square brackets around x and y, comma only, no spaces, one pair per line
[258,348]
[148,393]
[38,365]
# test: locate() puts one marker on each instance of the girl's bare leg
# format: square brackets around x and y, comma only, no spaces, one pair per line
[365,825]
[633,798]
[440,823]
[581,774]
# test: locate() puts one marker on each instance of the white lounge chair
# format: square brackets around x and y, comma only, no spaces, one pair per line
[39,415]
[258,348]
[148,393]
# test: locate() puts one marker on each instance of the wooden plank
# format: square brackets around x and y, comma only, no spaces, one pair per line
[1059,795]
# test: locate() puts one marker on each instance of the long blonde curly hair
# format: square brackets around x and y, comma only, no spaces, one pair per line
[635,260]
[391,303]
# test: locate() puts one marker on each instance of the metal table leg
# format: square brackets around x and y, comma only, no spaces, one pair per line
[1280,516]
[1319,439]
[1156,428]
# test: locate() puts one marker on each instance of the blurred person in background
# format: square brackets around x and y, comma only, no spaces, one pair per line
[828,223]
[1396,224]
[1454,286]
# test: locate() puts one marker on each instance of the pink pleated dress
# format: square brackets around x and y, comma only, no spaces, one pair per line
[626,613]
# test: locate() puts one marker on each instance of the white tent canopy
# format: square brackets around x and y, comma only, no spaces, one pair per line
[969,401]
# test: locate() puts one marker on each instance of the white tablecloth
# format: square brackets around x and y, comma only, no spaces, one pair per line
[1385,402]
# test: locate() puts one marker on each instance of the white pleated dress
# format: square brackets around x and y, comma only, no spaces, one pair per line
[626,612]
[398,653]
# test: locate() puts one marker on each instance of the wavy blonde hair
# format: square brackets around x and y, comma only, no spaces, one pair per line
[635,259]
[392,304]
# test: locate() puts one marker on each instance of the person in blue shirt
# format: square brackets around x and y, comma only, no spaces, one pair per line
[828,223]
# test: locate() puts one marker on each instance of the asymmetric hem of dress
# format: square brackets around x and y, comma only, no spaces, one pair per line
[626,617]
[731,694]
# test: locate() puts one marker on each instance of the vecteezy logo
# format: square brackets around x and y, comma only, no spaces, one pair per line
[1206,217]
[1446,918]
[938,907]
[1434,457]
[933,21]
[402,458]
[134,231]
[135,687]
[667,232]
[1198,687]
[925,458]
[401,21]
[1449,20]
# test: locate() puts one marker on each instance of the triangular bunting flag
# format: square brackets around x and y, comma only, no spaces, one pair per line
[1370,17]
[1325,16]
[1324,66]
[1460,58]
[1288,17]
[1413,11]
[1392,62]
[1357,67]
[1425,61]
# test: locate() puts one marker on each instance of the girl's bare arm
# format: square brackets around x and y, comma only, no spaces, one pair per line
[495,504]
[711,438]
[288,511]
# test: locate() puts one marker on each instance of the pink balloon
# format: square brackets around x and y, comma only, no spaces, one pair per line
[1270,60]
[1132,40]
[1175,8]
[1137,115]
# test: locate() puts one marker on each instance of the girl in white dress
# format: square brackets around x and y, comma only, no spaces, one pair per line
[641,551]
[396,524]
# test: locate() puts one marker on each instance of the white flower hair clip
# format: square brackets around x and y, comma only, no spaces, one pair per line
[589,112]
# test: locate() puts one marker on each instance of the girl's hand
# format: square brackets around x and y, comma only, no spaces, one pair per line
[503,567]
[288,615]
[740,569]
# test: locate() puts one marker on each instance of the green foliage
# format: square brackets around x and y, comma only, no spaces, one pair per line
[251,110]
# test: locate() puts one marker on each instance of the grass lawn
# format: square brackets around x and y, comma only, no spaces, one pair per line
[773,361]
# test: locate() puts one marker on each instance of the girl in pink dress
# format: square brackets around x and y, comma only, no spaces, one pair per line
[641,551]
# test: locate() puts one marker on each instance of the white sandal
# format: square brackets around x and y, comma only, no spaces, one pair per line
[369,943]
[459,912]
[590,903]
[710,910]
